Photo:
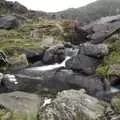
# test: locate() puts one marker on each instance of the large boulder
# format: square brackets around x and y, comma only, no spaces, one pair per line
[73,105]
[9,22]
[79,35]
[17,63]
[20,105]
[93,50]
[82,63]
[102,29]
[54,54]
[33,56]
[32,81]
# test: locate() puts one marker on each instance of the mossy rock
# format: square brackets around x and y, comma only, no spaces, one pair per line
[8,115]
[116,103]
[102,70]
[107,68]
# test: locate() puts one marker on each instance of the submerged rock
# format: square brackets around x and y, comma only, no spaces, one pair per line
[73,105]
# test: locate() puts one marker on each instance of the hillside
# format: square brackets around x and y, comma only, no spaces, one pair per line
[54,69]
[93,11]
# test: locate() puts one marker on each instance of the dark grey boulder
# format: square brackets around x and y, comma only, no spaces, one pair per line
[32,81]
[94,50]
[54,54]
[79,35]
[9,22]
[102,29]
[82,63]
[33,56]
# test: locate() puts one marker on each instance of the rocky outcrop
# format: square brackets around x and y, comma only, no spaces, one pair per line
[73,105]
[12,7]
[102,29]
[9,22]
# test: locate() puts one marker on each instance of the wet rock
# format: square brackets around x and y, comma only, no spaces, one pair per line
[36,64]
[54,54]
[71,105]
[67,45]
[71,51]
[82,63]
[21,104]
[9,22]
[59,79]
[33,56]
[93,85]
[93,50]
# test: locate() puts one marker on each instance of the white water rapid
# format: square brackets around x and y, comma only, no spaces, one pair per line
[49,67]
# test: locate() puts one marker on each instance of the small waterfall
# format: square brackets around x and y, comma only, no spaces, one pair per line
[115,89]
[49,67]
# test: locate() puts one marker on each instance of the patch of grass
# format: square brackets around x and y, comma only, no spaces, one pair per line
[116,103]
[102,70]
[112,58]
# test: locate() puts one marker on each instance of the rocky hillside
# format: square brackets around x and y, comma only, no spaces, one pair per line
[9,7]
[93,11]
[57,70]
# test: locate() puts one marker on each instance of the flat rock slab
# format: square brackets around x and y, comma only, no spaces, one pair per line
[21,103]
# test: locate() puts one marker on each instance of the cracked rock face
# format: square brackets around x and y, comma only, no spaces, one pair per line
[71,105]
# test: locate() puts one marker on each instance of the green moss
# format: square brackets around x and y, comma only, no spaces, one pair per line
[7,115]
[2,112]
[116,103]
[111,59]
[16,116]
[102,70]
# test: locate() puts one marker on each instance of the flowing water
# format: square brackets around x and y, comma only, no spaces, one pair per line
[49,67]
